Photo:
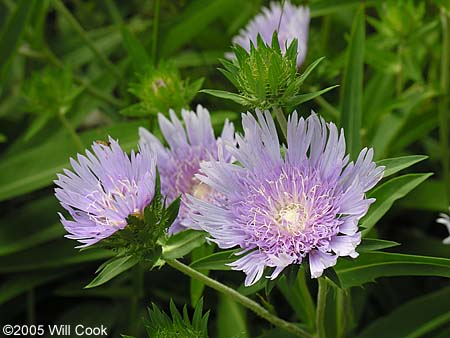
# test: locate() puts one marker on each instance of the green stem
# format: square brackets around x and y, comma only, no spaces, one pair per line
[321,306]
[73,134]
[306,299]
[155,32]
[344,312]
[114,12]
[444,105]
[59,6]
[138,294]
[399,80]
[279,114]
[239,298]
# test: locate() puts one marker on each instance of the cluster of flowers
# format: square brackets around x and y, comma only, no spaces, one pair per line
[278,203]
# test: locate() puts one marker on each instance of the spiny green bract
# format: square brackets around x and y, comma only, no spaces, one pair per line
[160,89]
[160,325]
[266,77]
[145,234]
[50,92]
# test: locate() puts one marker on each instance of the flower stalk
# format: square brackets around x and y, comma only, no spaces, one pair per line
[321,306]
[73,134]
[239,298]
[281,118]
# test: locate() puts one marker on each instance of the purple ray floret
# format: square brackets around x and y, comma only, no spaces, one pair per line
[281,209]
[291,22]
[188,147]
[104,188]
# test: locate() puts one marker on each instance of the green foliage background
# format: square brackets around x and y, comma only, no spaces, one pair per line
[66,67]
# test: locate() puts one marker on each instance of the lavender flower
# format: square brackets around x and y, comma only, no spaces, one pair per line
[291,22]
[281,209]
[445,220]
[104,189]
[188,147]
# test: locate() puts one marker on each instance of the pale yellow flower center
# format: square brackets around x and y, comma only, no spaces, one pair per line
[201,191]
[292,217]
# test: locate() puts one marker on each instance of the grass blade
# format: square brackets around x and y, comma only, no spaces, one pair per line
[352,92]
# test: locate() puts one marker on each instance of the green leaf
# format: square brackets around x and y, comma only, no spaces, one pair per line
[182,243]
[372,244]
[387,193]
[55,254]
[37,167]
[394,165]
[136,110]
[416,318]
[17,285]
[262,284]
[194,88]
[194,20]
[197,287]
[231,319]
[196,58]
[299,298]
[428,196]
[383,61]
[14,29]
[216,261]
[324,7]
[352,90]
[29,240]
[225,95]
[37,124]
[298,99]
[371,265]
[42,225]
[172,211]
[139,57]
[111,269]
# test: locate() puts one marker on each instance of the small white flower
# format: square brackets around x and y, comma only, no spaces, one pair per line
[445,220]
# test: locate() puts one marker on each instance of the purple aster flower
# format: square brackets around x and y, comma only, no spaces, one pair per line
[445,220]
[291,22]
[188,147]
[104,188]
[280,209]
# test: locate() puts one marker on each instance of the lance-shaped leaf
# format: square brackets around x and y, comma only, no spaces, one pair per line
[394,165]
[352,90]
[371,265]
[387,193]
[419,317]
[216,261]
[372,244]
[111,269]
[182,243]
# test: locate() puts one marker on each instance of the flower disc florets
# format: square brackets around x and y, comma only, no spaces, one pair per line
[104,189]
[188,147]
[282,209]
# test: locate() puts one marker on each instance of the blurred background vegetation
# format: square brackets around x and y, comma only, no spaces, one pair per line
[72,72]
